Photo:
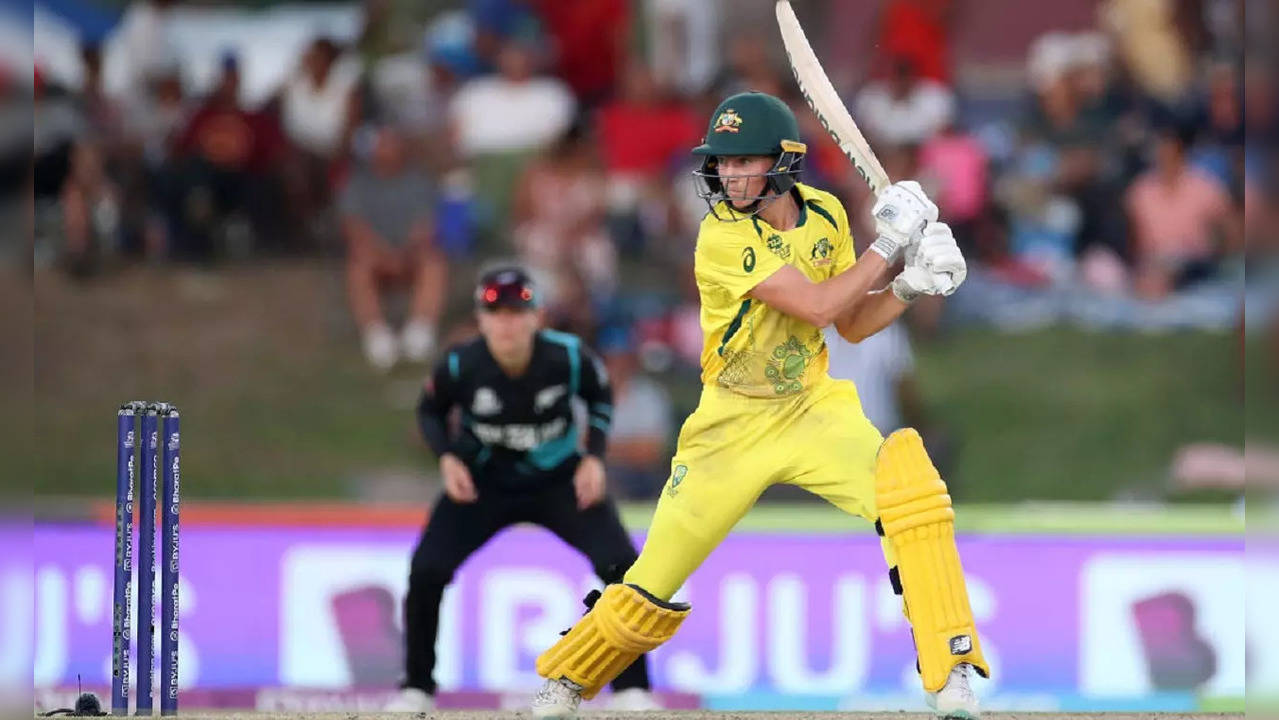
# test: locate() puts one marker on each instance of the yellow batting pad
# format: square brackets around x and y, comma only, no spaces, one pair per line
[919,523]
[625,623]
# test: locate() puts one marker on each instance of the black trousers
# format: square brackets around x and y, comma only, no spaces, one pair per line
[455,531]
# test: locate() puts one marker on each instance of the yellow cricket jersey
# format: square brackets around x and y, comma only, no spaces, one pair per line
[748,347]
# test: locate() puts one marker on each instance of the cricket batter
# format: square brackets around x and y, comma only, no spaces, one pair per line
[514,459]
[774,265]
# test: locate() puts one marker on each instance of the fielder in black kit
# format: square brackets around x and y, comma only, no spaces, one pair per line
[514,457]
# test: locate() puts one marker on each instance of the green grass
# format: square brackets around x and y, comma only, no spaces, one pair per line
[275,398]
[1073,415]
[277,402]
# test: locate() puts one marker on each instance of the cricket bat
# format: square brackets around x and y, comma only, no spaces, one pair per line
[825,102]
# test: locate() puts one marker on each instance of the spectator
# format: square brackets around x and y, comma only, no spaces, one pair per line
[907,108]
[102,114]
[155,122]
[1150,44]
[1043,221]
[684,47]
[643,130]
[388,227]
[106,127]
[514,110]
[415,89]
[319,107]
[319,104]
[219,170]
[637,452]
[571,309]
[917,31]
[590,41]
[494,23]
[1091,74]
[641,135]
[559,218]
[500,121]
[151,127]
[1064,78]
[143,46]
[992,252]
[90,211]
[958,162]
[1069,168]
[1221,116]
[55,124]
[1178,214]
[389,29]
[749,67]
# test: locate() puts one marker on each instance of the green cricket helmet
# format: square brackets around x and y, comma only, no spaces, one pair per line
[750,123]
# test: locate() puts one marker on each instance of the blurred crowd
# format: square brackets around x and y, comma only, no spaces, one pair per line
[557,131]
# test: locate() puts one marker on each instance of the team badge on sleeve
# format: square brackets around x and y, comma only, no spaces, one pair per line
[677,477]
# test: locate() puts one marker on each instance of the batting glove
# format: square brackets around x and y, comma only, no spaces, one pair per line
[912,282]
[901,211]
[940,255]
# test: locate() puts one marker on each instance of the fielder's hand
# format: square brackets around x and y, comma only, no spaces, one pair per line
[457,480]
[901,212]
[588,482]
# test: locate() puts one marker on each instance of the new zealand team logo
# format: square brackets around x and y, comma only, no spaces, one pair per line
[547,397]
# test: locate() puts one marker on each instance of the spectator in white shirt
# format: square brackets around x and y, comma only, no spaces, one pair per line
[140,50]
[514,110]
[904,109]
[319,107]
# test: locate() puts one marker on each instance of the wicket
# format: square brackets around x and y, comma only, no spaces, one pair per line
[166,440]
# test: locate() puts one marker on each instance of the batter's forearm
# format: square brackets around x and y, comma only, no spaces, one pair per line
[844,294]
[876,312]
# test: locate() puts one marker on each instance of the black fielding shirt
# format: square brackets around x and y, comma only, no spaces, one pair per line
[517,432]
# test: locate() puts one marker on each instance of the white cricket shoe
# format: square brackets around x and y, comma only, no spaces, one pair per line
[557,699]
[411,700]
[634,700]
[956,700]
[380,347]
[417,340]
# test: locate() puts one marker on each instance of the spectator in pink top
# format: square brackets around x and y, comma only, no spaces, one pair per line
[1182,220]
[958,163]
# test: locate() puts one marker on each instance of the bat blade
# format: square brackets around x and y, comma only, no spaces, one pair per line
[825,102]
